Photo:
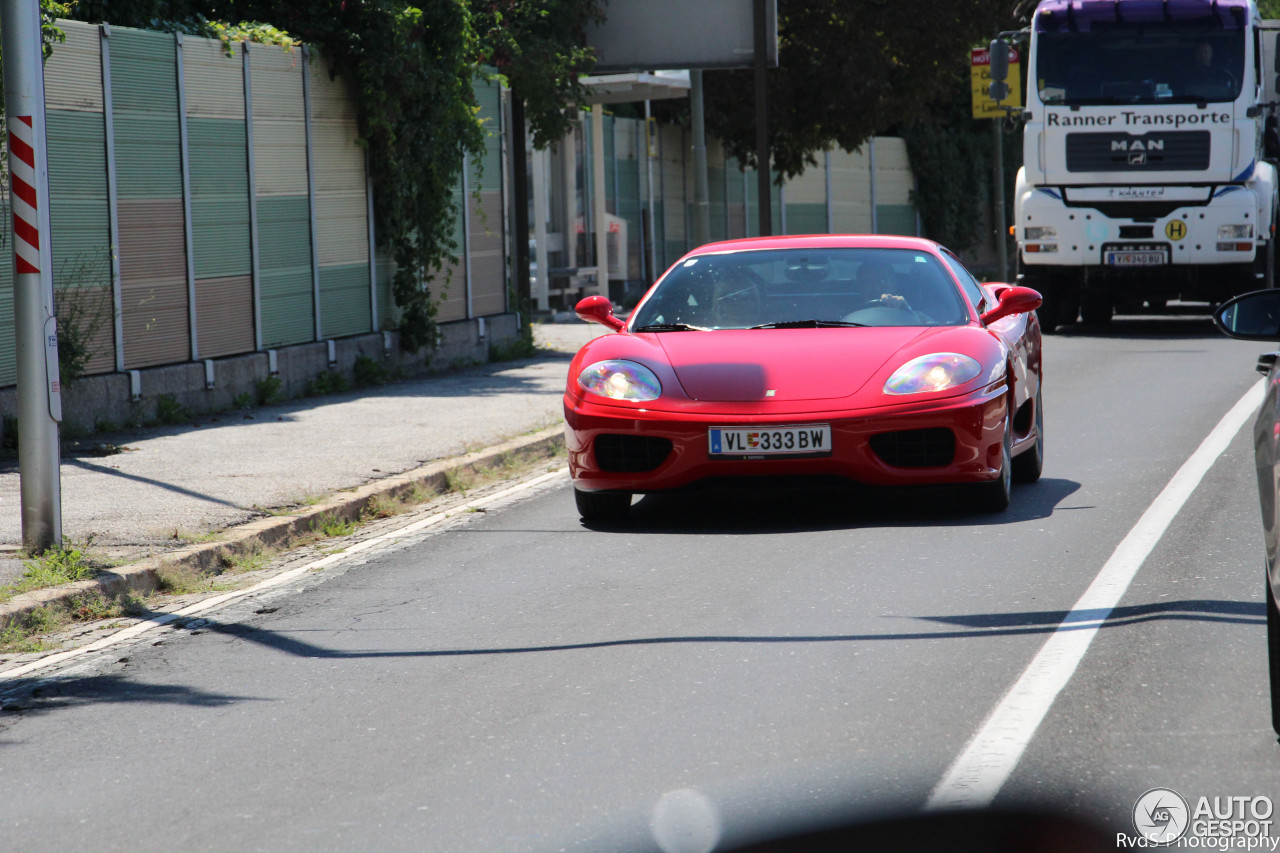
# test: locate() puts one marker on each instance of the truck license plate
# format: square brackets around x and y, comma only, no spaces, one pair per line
[1135,256]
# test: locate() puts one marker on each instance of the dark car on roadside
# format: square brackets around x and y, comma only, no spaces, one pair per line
[1256,317]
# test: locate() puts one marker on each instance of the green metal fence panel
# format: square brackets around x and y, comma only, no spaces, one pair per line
[489,99]
[144,72]
[218,155]
[806,219]
[896,219]
[344,301]
[284,265]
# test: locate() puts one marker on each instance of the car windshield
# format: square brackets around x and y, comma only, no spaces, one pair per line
[804,287]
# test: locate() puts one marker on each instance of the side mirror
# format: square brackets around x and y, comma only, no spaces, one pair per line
[598,309]
[999,53]
[999,70]
[1252,317]
[1013,300]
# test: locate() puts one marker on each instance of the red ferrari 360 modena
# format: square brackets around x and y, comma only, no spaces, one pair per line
[876,359]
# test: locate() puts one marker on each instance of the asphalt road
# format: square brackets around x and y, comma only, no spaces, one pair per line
[515,681]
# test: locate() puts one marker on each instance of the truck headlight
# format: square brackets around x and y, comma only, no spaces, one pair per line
[1235,232]
[1040,232]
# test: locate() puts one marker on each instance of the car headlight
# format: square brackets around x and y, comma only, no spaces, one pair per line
[620,380]
[934,372]
[1040,232]
[1235,232]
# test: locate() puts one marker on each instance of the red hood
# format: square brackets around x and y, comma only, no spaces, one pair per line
[796,364]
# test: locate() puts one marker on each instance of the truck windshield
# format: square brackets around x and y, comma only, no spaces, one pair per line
[1141,63]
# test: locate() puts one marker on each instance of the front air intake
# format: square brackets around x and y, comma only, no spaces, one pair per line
[915,448]
[630,453]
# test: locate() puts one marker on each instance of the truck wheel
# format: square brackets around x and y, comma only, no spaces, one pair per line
[1095,309]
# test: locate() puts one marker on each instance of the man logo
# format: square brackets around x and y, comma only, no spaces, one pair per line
[1137,158]
[1161,816]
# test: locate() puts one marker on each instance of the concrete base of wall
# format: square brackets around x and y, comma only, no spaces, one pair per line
[107,402]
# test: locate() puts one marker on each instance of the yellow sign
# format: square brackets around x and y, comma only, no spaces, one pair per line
[1176,230]
[984,106]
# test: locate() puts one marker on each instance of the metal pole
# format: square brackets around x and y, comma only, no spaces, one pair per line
[763,160]
[39,393]
[598,200]
[653,225]
[701,186]
[1002,251]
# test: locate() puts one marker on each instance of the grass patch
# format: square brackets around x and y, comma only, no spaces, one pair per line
[330,525]
[250,560]
[24,634]
[267,391]
[170,412]
[521,346]
[183,535]
[57,566]
[181,579]
[381,506]
[367,372]
[329,382]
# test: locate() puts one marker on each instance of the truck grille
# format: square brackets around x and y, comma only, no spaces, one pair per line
[1185,150]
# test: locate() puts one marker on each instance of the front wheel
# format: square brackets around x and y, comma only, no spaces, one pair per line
[995,495]
[602,506]
[1028,464]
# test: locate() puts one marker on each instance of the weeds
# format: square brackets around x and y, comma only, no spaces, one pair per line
[267,391]
[56,566]
[170,412]
[242,401]
[330,525]
[380,506]
[521,346]
[370,372]
[329,382]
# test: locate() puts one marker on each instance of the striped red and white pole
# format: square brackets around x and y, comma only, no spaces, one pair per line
[22,193]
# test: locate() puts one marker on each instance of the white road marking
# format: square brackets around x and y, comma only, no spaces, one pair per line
[162,619]
[987,761]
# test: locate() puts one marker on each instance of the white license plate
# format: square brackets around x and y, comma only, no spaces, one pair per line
[809,440]
[1137,259]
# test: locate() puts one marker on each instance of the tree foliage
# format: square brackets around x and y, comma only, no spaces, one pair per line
[538,46]
[849,69]
[411,72]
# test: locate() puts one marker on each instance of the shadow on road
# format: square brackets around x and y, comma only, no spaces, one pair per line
[748,510]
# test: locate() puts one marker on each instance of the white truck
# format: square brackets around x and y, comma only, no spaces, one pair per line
[1148,155]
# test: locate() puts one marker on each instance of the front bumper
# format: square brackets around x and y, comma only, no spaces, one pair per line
[1086,236]
[976,420]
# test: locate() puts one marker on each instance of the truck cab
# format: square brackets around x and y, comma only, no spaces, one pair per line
[1146,173]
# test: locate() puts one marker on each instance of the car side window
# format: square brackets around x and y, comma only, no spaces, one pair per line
[970,284]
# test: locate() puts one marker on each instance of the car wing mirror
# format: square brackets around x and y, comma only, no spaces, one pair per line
[598,309]
[1012,300]
[1251,317]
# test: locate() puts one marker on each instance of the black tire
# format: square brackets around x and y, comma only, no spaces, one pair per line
[1060,305]
[1028,464]
[995,495]
[1096,309]
[1273,654]
[602,506]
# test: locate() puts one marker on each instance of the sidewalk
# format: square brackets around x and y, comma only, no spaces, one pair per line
[170,486]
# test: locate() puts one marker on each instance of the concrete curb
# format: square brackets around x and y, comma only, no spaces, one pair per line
[279,531]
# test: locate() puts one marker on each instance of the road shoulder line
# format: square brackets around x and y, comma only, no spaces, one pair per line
[989,758]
